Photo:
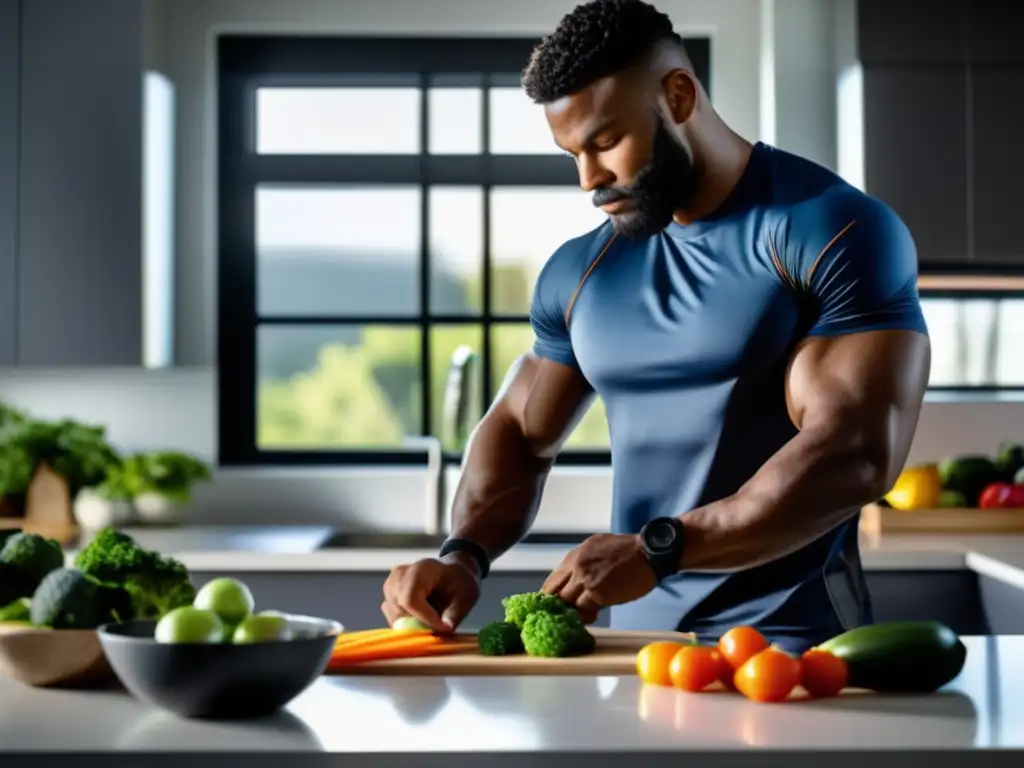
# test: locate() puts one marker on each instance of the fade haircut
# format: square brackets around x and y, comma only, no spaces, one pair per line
[595,40]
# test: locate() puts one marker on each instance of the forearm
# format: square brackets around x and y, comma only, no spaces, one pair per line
[815,482]
[502,480]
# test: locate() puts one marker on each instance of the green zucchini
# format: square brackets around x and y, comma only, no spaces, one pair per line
[900,656]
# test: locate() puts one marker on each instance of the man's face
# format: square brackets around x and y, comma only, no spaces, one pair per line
[627,155]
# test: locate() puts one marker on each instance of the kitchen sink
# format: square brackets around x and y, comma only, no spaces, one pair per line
[390,540]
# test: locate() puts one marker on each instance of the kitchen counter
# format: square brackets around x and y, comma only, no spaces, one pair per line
[477,716]
[301,549]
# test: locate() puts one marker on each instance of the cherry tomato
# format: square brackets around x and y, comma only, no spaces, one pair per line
[770,675]
[653,660]
[823,674]
[739,644]
[695,667]
[995,496]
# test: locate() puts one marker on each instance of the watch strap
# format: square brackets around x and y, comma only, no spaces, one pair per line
[470,547]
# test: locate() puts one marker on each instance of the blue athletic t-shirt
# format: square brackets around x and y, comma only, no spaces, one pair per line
[686,336]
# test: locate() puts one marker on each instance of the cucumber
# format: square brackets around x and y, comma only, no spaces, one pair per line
[900,656]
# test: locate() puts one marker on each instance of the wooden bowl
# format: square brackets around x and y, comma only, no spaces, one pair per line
[59,658]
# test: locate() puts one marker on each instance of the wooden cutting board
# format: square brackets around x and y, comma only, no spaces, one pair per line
[615,654]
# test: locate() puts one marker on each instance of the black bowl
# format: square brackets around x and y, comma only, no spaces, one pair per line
[226,681]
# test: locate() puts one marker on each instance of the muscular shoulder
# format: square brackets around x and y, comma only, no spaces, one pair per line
[554,290]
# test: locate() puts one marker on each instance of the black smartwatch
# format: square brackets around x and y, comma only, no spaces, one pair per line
[470,547]
[663,539]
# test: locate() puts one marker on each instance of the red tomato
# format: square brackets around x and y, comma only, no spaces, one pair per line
[995,496]
[1016,498]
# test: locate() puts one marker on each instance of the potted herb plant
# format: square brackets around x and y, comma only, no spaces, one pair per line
[162,483]
[109,503]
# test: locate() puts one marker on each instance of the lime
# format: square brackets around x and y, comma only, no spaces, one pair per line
[229,598]
[189,625]
[262,628]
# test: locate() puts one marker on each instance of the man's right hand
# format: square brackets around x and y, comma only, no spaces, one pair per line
[440,593]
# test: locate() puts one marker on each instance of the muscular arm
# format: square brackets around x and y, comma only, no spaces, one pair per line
[855,399]
[511,451]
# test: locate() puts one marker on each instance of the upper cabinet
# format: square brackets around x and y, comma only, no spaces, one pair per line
[9,13]
[71,182]
[943,105]
[915,135]
[912,31]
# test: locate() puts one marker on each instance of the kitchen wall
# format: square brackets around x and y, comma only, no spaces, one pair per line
[775,67]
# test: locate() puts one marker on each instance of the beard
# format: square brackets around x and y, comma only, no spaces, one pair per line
[662,187]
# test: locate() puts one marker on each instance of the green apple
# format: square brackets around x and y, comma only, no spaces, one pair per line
[262,628]
[229,598]
[189,625]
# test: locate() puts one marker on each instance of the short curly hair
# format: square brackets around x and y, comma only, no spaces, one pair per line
[595,40]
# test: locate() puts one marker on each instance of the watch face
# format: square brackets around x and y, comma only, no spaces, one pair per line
[660,535]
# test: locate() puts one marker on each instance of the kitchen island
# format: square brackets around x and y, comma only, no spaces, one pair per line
[531,720]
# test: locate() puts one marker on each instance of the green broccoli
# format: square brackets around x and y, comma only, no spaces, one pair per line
[499,638]
[556,635]
[19,610]
[66,599]
[519,607]
[34,556]
[156,584]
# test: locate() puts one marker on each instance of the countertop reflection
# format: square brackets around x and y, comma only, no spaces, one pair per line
[981,709]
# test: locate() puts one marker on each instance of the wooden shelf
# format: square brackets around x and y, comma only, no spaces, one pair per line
[876,520]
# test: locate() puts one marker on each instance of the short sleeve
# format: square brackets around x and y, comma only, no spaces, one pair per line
[858,265]
[547,315]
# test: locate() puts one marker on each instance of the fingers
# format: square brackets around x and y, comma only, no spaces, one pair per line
[406,593]
[588,607]
[391,612]
[556,581]
[457,610]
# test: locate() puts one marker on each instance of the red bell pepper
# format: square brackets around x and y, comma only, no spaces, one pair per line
[1002,496]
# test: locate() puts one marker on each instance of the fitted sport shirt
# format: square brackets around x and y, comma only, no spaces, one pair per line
[686,336]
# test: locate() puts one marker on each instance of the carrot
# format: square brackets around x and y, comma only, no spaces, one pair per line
[385,637]
[404,651]
[347,638]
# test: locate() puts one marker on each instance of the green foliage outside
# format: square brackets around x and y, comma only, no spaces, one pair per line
[367,395]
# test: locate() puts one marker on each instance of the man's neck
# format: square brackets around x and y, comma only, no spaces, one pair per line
[723,160]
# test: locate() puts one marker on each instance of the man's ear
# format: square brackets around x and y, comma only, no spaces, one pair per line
[680,90]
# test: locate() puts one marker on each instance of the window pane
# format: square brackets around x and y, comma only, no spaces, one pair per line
[455,121]
[447,344]
[338,250]
[528,224]
[341,387]
[456,250]
[517,125]
[326,121]
[975,342]
[508,342]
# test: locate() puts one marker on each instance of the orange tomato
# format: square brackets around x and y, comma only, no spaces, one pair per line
[770,675]
[726,673]
[694,667]
[739,644]
[823,674]
[653,660]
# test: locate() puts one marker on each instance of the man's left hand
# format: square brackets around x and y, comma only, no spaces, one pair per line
[606,569]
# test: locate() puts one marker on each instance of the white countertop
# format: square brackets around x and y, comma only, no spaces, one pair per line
[294,549]
[982,708]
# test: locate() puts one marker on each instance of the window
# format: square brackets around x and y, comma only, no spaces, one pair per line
[385,207]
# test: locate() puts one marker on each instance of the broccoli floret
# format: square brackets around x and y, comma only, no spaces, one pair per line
[156,584]
[556,635]
[34,556]
[519,607]
[499,638]
[19,610]
[66,599]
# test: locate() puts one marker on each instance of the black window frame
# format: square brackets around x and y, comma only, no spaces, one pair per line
[245,62]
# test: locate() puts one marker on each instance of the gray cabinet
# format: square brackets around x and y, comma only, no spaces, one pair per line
[9,56]
[915,137]
[998,165]
[995,31]
[912,31]
[79,205]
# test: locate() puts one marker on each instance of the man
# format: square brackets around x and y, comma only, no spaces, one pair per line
[753,325]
